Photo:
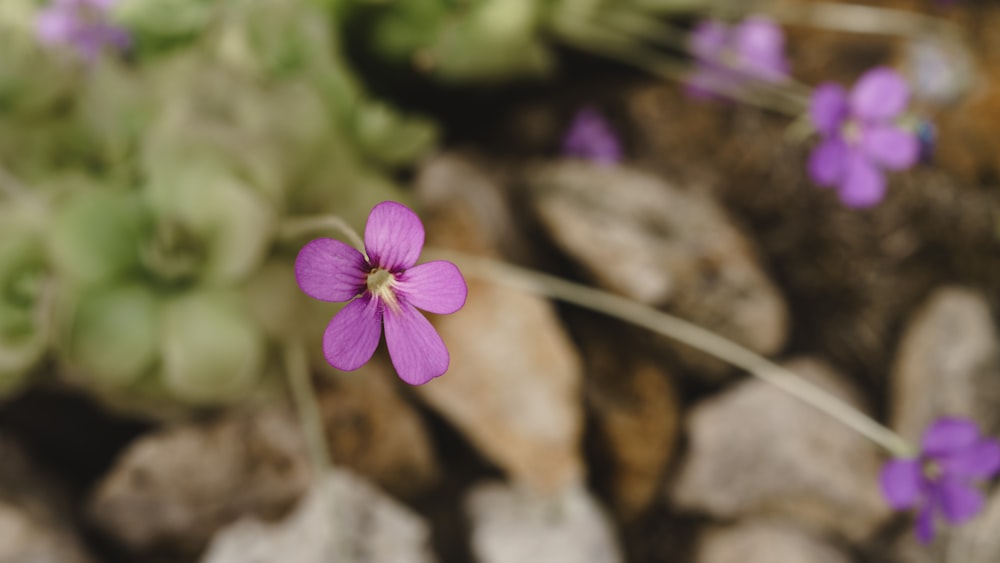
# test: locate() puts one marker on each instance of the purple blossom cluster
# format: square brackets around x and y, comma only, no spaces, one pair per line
[861,136]
[83,25]
[954,456]
[591,137]
[383,286]
[728,57]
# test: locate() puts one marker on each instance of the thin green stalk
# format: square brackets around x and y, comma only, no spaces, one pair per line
[307,407]
[682,331]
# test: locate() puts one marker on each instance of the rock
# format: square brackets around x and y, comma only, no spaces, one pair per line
[34,527]
[512,525]
[513,387]
[765,542]
[648,240]
[948,364]
[637,416]
[368,525]
[755,450]
[373,430]
[176,487]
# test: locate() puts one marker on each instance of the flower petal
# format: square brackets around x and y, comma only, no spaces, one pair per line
[892,147]
[437,287]
[352,336]
[330,270]
[958,501]
[925,524]
[948,435]
[863,184]
[417,351]
[394,236]
[880,93]
[760,43]
[901,481]
[980,461]
[828,162]
[828,108]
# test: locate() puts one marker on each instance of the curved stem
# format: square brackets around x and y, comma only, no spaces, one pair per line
[683,331]
[298,226]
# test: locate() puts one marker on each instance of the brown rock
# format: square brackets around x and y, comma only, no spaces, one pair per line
[765,542]
[513,387]
[755,450]
[373,430]
[644,238]
[638,418]
[34,527]
[948,364]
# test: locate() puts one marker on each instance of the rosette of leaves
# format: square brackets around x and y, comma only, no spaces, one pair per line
[152,305]
[25,292]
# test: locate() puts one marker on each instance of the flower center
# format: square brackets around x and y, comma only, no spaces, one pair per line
[380,283]
[852,132]
[931,470]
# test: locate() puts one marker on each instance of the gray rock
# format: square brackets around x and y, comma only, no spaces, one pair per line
[948,364]
[516,525]
[648,240]
[344,520]
[34,527]
[757,451]
[765,542]
[513,386]
[178,486]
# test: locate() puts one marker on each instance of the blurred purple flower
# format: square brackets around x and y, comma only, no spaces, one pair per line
[941,481]
[729,57]
[384,286]
[83,25]
[861,136]
[590,137]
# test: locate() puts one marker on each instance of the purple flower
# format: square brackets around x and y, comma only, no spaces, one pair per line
[940,481]
[861,136]
[728,57]
[384,286]
[590,136]
[81,24]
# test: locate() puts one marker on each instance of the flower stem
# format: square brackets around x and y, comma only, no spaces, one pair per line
[685,332]
[307,407]
[298,226]
[856,18]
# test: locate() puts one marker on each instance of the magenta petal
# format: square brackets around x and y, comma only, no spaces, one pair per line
[55,26]
[394,236]
[828,162]
[417,351]
[437,287]
[949,435]
[958,501]
[330,270]
[863,184]
[352,336]
[880,93]
[760,43]
[980,461]
[925,524]
[892,147]
[828,108]
[901,480]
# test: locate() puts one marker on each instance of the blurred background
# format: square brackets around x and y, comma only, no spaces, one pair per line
[163,161]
